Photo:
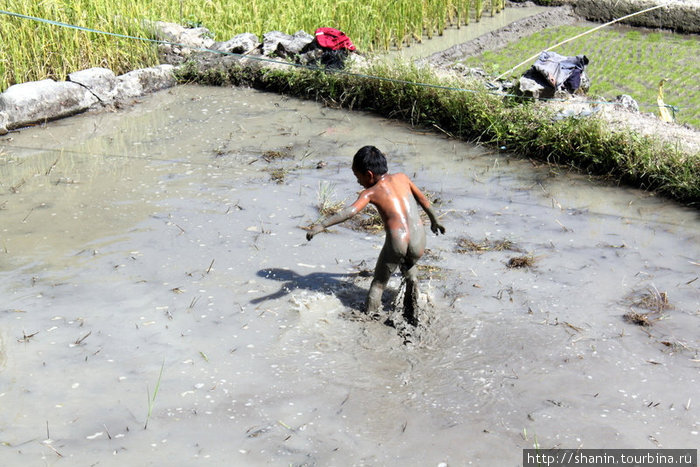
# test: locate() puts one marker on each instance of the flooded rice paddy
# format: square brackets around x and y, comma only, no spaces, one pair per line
[160,304]
[459,35]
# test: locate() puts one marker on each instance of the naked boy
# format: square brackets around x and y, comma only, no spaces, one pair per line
[397,199]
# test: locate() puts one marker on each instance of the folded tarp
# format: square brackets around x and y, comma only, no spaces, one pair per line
[560,71]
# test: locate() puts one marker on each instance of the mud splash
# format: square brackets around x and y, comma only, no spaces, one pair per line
[158,236]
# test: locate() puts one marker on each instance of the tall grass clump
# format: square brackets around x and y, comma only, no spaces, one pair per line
[33,50]
[478,115]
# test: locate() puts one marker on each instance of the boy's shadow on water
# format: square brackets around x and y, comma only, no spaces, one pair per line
[349,294]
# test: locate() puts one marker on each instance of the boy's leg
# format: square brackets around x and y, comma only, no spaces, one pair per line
[409,268]
[386,264]
[410,300]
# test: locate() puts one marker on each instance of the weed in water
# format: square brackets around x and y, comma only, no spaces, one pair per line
[650,299]
[270,156]
[521,262]
[640,319]
[368,221]
[429,271]
[278,175]
[326,205]
[152,399]
[468,245]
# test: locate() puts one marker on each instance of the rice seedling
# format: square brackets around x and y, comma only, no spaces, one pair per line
[152,398]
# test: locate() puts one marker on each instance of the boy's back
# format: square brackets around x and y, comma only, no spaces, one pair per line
[397,199]
[394,197]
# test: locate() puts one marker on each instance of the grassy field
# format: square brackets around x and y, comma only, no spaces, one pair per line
[33,50]
[622,61]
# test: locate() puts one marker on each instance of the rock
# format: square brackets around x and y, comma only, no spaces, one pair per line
[625,102]
[101,82]
[196,38]
[39,101]
[466,71]
[312,55]
[139,82]
[3,123]
[535,85]
[284,45]
[241,44]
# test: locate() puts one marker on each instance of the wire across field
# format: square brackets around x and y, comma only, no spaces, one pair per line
[622,61]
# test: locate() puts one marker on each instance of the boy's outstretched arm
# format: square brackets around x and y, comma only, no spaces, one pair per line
[341,216]
[435,225]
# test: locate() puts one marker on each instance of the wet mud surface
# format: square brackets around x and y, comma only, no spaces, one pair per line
[154,270]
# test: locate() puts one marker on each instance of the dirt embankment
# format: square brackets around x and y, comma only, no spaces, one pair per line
[678,15]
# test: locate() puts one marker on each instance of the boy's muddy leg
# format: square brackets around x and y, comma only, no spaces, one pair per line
[382,273]
[374,298]
[410,300]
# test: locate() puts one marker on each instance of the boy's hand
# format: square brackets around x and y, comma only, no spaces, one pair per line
[437,228]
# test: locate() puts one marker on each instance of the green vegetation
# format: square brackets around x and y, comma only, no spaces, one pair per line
[623,61]
[39,50]
[527,128]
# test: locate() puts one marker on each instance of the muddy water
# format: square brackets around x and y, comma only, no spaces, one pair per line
[150,262]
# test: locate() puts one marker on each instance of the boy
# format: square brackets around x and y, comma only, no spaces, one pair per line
[395,197]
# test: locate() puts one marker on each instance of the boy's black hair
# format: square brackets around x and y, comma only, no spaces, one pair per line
[370,158]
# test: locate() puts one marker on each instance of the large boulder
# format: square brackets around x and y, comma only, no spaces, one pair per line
[533,84]
[283,45]
[39,101]
[3,123]
[241,44]
[101,82]
[195,38]
[626,102]
[139,82]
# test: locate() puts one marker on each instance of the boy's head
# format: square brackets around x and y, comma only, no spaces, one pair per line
[370,159]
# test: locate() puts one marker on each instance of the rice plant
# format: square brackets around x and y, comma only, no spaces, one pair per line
[35,50]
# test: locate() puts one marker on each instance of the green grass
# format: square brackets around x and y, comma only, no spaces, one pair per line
[31,50]
[528,129]
[622,61]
